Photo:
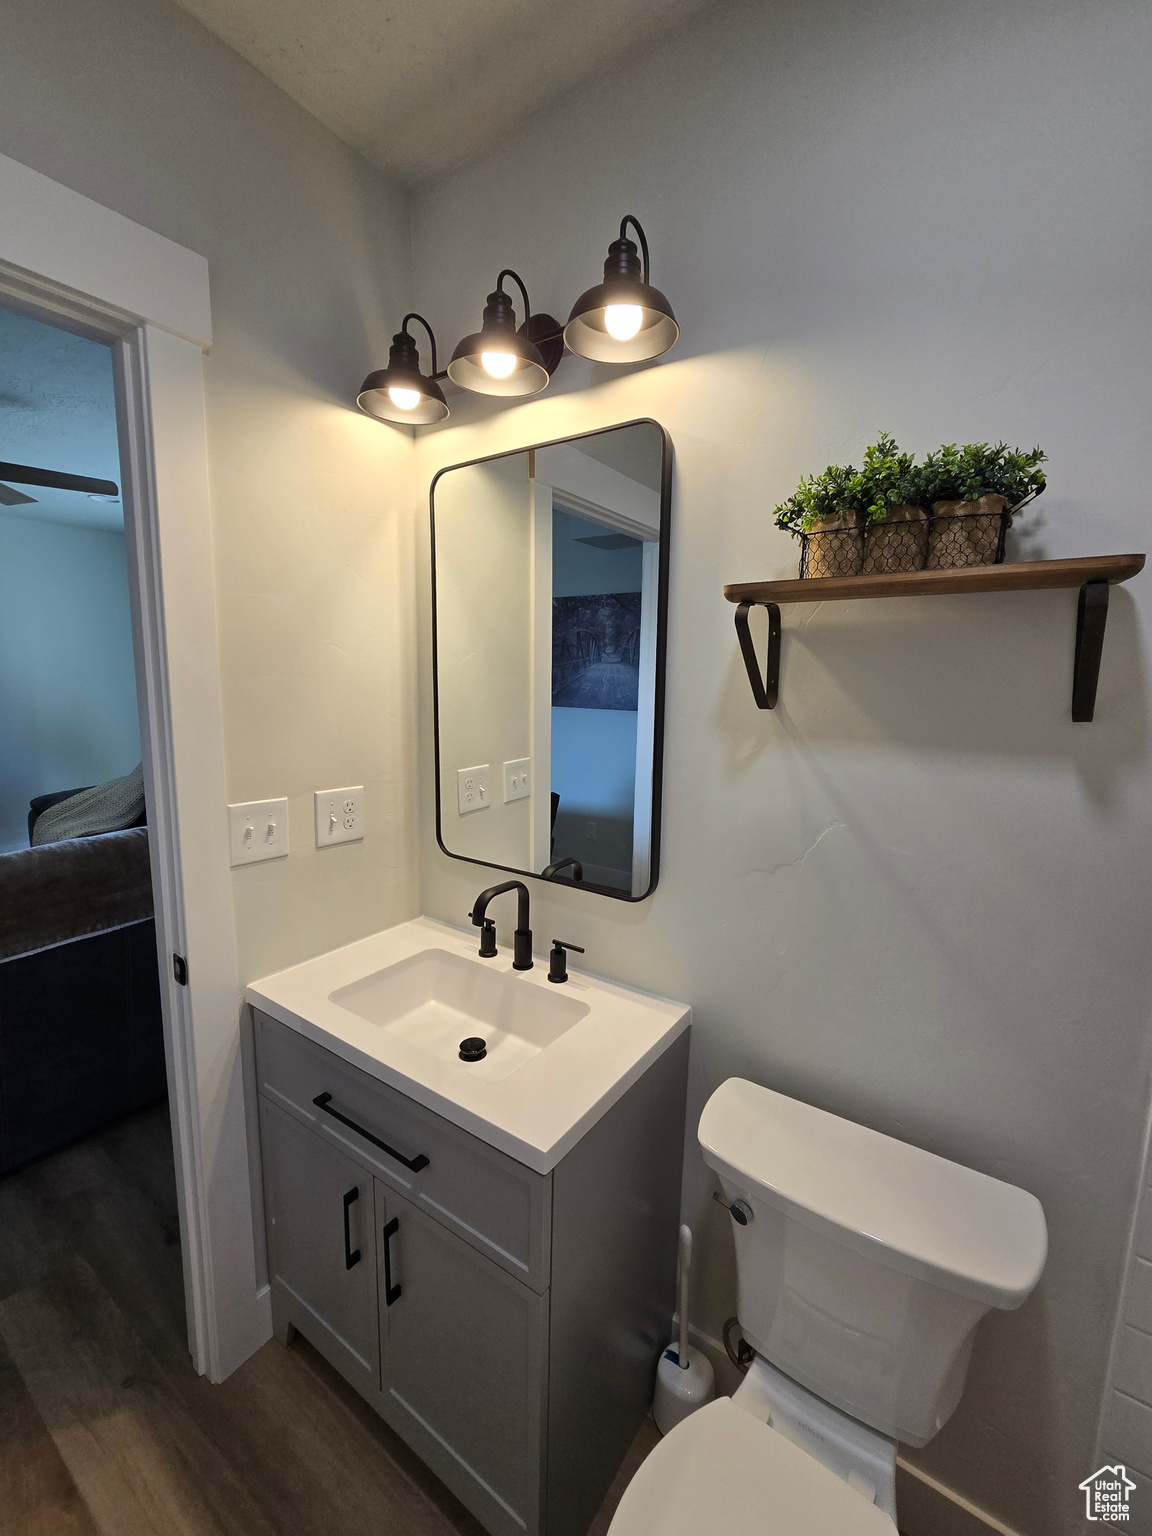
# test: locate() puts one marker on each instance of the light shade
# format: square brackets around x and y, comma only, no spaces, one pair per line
[625,290]
[400,393]
[516,366]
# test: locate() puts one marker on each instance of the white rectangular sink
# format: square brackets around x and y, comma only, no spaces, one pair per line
[399,1003]
[437,1000]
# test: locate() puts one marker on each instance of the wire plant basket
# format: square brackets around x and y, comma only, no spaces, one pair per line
[927,543]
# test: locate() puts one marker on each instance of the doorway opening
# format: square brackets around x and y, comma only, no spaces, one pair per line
[85,1139]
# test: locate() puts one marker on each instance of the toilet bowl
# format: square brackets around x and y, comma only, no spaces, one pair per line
[721,1470]
[863,1267]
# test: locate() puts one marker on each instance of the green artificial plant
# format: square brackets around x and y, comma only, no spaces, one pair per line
[890,479]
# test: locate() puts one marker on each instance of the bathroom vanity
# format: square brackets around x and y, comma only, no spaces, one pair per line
[485,1249]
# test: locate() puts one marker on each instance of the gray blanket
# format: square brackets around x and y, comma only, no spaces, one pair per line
[105,807]
[70,889]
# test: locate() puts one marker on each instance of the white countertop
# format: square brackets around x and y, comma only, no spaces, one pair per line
[539,1112]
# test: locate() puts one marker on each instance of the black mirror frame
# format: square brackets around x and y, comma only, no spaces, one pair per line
[666,459]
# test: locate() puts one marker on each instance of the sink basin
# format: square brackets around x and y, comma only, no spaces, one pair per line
[398,1004]
[436,1000]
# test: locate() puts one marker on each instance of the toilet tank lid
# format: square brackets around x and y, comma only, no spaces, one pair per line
[902,1206]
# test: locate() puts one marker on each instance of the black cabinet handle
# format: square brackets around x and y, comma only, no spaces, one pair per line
[350,1258]
[324,1101]
[391,1292]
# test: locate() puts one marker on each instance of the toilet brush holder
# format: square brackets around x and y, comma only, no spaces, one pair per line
[685,1380]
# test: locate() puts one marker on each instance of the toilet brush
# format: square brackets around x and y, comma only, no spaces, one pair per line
[684,1377]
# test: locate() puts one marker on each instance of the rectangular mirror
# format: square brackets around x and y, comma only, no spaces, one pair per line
[549,598]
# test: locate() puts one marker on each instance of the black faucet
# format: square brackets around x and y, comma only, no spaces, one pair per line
[522,943]
[554,869]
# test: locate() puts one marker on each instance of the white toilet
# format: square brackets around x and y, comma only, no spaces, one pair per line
[863,1267]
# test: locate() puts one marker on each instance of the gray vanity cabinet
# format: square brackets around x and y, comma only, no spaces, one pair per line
[321,1243]
[506,1323]
[466,1355]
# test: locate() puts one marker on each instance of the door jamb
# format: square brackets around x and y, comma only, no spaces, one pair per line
[107,260]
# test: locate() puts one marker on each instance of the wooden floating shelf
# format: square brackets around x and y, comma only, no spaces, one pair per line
[1093,574]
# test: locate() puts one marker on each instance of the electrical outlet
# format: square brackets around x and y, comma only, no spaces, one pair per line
[339,815]
[517,784]
[590,831]
[257,830]
[473,788]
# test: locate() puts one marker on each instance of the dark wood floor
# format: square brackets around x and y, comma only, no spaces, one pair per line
[106,1430]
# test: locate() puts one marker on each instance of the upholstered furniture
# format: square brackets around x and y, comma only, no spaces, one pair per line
[81,1040]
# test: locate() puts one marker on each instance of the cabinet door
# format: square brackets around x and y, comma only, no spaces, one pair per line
[464,1347]
[321,1246]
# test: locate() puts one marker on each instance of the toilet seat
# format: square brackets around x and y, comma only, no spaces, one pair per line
[723,1470]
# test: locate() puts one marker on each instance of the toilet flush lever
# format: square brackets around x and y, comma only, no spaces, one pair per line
[739,1210]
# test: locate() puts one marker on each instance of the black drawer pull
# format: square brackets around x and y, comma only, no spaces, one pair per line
[324,1101]
[391,1292]
[350,1258]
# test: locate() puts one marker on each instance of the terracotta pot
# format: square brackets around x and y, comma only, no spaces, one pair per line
[834,547]
[898,543]
[965,532]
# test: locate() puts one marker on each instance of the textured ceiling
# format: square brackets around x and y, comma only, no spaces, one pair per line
[422,86]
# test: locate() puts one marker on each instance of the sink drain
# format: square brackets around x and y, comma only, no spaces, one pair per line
[473,1049]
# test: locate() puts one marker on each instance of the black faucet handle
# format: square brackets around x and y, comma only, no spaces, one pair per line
[487,949]
[558,959]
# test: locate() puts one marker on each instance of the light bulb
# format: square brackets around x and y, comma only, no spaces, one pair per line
[622,321]
[403,399]
[498,364]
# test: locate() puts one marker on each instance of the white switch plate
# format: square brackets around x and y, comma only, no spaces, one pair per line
[474,788]
[257,830]
[339,815]
[517,781]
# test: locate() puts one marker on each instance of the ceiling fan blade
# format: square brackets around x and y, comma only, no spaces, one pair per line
[11,498]
[57,480]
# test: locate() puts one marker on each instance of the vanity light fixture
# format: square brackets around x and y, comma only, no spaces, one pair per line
[623,319]
[400,392]
[498,359]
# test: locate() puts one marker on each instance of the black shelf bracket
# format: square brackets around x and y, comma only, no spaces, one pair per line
[1091,619]
[767,690]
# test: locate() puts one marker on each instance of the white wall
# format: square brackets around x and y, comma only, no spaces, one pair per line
[132,103]
[916,894]
[67,685]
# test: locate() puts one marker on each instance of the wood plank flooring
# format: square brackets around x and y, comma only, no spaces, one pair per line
[106,1430]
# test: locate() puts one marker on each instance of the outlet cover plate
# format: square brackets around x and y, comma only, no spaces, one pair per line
[474,788]
[517,780]
[258,829]
[339,815]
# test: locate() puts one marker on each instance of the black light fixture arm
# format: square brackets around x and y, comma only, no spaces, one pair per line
[519,281]
[630,218]
[431,338]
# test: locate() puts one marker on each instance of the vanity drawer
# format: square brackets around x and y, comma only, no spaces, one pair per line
[493,1202]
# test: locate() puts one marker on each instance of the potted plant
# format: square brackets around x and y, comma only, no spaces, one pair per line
[895,525]
[893,514]
[969,489]
[821,511]
[856,521]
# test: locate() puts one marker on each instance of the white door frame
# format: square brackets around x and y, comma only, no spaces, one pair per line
[540,631]
[68,260]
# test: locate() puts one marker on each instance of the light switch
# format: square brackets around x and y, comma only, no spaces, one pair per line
[517,785]
[257,830]
[473,788]
[339,815]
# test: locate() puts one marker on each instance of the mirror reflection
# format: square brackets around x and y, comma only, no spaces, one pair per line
[548,571]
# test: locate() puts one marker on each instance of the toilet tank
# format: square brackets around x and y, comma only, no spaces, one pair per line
[866,1263]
